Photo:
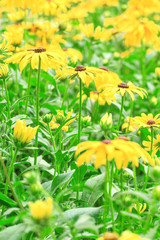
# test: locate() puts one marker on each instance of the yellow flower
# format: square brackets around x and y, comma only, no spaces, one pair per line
[133,126]
[147,121]
[3,70]
[157,71]
[85,120]
[41,209]
[102,98]
[120,149]
[154,100]
[17,16]
[139,31]
[22,133]
[86,74]
[59,119]
[14,34]
[49,59]
[140,208]
[156,144]
[127,235]
[122,88]
[109,236]
[106,121]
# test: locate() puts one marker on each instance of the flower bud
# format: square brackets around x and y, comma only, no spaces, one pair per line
[154,100]
[156,193]
[47,118]
[156,173]
[3,70]
[60,118]
[86,121]
[32,177]
[106,121]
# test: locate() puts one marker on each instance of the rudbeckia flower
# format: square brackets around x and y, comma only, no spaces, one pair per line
[120,149]
[49,59]
[41,209]
[86,74]
[122,88]
[3,70]
[156,144]
[22,133]
[147,121]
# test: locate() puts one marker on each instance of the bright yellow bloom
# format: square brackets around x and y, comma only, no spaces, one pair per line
[14,34]
[109,236]
[22,133]
[3,70]
[147,121]
[41,209]
[154,100]
[49,59]
[17,16]
[59,119]
[73,54]
[127,235]
[139,31]
[133,126]
[140,208]
[86,74]
[122,88]
[156,144]
[102,98]
[157,71]
[106,121]
[120,149]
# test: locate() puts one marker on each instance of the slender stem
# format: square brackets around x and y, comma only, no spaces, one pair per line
[10,185]
[37,110]
[16,85]
[28,89]
[110,194]
[131,111]
[65,94]
[120,115]
[105,197]
[60,139]
[135,179]
[142,64]
[7,98]
[151,150]
[80,110]
[121,180]
[52,138]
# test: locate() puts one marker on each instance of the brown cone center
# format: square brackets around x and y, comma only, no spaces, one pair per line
[123,138]
[106,141]
[123,85]
[80,68]
[151,122]
[39,50]
[104,68]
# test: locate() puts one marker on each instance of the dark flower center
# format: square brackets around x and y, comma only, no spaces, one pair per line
[39,50]
[80,68]
[65,49]
[96,92]
[123,85]
[123,138]
[104,68]
[106,141]
[110,236]
[151,122]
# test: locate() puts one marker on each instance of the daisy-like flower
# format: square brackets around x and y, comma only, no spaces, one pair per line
[120,149]
[59,119]
[72,54]
[147,121]
[102,98]
[121,88]
[86,74]
[133,126]
[22,133]
[127,235]
[49,59]
[156,144]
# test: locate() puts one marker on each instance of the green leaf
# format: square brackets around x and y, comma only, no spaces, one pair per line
[60,180]
[6,200]
[15,232]
[132,215]
[76,213]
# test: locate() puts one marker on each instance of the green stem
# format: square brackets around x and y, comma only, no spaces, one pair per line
[135,179]
[121,180]
[151,150]
[110,194]
[131,111]
[65,94]
[52,138]
[16,85]
[60,139]
[80,110]
[10,185]
[120,115]
[7,99]
[28,89]
[37,110]
[142,64]
[105,197]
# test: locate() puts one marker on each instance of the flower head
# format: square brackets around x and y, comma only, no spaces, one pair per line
[106,121]
[120,149]
[127,235]
[49,59]
[22,133]
[3,70]
[147,121]
[102,98]
[41,209]
[156,144]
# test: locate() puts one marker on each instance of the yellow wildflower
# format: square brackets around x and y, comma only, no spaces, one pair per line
[14,34]
[3,70]
[133,126]
[140,208]
[157,71]
[106,121]
[147,121]
[127,235]
[41,209]
[156,144]
[22,133]
[102,98]
[17,15]
[120,149]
